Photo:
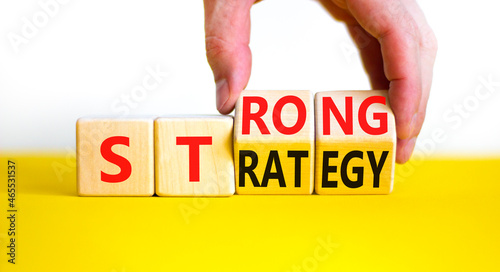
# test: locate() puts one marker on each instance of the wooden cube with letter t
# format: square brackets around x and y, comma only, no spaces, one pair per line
[115,157]
[194,156]
[355,142]
[274,142]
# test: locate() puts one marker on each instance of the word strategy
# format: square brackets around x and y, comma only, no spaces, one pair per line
[279,142]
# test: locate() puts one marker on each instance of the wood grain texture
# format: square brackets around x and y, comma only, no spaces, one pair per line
[347,163]
[274,150]
[174,159]
[91,133]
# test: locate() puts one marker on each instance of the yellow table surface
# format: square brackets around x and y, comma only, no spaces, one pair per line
[443,215]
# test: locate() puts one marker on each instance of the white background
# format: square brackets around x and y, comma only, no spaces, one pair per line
[85,56]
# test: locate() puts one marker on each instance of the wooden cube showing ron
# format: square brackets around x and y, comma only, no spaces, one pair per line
[115,157]
[274,142]
[355,142]
[194,156]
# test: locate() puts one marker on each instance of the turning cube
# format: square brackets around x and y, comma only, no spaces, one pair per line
[355,142]
[194,156]
[115,157]
[274,142]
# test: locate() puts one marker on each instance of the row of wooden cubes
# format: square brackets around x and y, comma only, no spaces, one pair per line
[277,144]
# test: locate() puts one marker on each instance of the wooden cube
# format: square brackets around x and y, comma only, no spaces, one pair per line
[194,156]
[115,157]
[355,142]
[274,142]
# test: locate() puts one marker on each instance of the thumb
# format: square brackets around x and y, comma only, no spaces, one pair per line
[227,34]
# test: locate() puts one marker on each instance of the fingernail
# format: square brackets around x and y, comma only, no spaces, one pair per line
[410,145]
[222,93]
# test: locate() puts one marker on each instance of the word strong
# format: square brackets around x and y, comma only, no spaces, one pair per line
[115,157]
[274,142]
[355,142]
[194,156]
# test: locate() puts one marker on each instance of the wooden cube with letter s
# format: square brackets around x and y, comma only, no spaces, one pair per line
[355,142]
[274,142]
[115,156]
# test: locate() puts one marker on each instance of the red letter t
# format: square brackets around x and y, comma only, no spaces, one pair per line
[194,143]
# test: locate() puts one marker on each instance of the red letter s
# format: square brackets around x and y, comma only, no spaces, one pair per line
[123,163]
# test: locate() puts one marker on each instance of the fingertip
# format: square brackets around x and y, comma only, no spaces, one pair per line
[404,97]
[413,124]
[222,95]
[227,94]
[231,69]
[405,129]
[227,35]
[405,149]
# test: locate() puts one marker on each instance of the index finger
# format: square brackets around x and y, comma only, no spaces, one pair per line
[397,32]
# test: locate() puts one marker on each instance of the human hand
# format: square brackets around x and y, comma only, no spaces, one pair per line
[396,45]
